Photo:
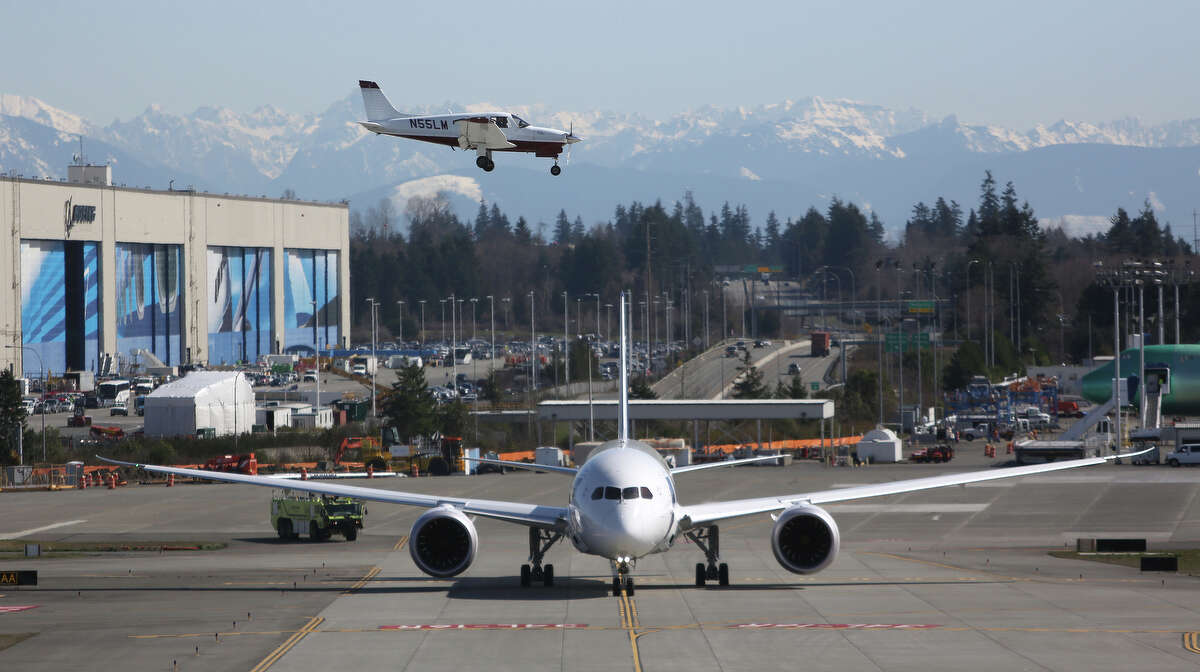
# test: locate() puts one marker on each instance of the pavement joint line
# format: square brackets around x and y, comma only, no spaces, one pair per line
[287,645]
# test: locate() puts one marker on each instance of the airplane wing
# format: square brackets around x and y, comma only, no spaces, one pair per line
[481,132]
[524,465]
[532,515]
[724,463]
[698,515]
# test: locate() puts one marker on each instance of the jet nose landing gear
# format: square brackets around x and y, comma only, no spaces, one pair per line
[486,163]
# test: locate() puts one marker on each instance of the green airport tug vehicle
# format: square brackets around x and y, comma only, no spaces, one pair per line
[320,515]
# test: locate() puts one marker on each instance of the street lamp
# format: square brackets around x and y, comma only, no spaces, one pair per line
[42,375]
[967,289]
[317,343]
[492,316]
[443,302]
[401,304]
[374,358]
[421,340]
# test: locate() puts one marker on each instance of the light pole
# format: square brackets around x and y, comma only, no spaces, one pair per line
[374,358]
[492,316]
[967,290]
[597,295]
[421,340]
[474,318]
[443,302]
[566,340]
[317,323]
[608,318]
[42,375]
[533,349]
[453,350]
[401,304]
[705,292]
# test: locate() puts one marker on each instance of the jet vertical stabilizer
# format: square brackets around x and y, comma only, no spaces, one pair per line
[377,105]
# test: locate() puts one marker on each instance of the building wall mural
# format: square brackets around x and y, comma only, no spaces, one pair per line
[239,304]
[60,305]
[149,281]
[310,275]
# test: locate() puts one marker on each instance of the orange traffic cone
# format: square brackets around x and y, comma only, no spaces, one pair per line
[370,471]
[170,480]
[1010,447]
[83,481]
[112,481]
[303,474]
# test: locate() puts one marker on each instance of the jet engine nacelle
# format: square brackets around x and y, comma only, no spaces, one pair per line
[443,542]
[805,539]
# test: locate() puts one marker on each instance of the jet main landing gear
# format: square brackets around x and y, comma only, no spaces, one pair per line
[555,170]
[540,541]
[486,163]
[708,539]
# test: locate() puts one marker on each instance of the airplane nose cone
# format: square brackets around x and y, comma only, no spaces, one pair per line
[571,138]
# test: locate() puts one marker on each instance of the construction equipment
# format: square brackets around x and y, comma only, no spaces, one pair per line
[107,433]
[237,464]
[79,418]
[370,451]
[318,515]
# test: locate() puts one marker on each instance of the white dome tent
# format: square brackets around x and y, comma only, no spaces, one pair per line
[219,400]
[880,445]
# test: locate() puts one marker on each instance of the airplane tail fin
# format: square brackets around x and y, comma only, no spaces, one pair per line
[376,104]
[623,412]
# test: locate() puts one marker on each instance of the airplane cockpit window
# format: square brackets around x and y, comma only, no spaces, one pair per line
[502,122]
[521,123]
[646,494]
[612,493]
[630,492]
[598,493]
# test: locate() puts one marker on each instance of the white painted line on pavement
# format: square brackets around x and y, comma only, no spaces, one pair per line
[25,533]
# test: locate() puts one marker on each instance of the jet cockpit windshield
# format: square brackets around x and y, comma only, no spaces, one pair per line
[521,123]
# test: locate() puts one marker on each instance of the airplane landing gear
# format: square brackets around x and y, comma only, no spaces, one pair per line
[540,541]
[486,163]
[555,170]
[621,577]
[708,539]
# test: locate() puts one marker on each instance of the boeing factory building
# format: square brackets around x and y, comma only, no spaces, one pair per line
[96,275]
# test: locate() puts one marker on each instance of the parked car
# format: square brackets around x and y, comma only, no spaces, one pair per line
[310,376]
[119,408]
[793,369]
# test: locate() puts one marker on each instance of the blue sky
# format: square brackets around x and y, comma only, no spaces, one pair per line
[1013,63]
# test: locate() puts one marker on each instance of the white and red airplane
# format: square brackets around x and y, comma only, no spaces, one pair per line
[483,132]
[623,506]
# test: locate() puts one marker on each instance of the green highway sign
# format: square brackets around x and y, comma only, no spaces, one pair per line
[920,307]
[815,386]
[892,342]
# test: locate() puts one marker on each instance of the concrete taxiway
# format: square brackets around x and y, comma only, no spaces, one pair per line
[951,579]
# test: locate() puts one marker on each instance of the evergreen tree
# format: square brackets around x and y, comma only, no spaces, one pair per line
[410,408]
[562,229]
[749,384]
[12,417]
[452,418]
[521,232]
[639,388]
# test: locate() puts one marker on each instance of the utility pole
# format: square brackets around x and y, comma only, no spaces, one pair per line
[566,341]
[421,340]
[401,304]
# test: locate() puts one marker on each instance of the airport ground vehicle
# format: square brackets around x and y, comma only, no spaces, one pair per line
[79,419]
[1068,407]
[1188,453]
[935,454]
[238,464]
[119,408]
[820,343]
[319,516]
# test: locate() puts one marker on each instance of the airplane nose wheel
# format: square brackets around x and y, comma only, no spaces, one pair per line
[485,163]
[555,170]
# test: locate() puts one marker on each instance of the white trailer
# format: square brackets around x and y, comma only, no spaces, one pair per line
[549,456]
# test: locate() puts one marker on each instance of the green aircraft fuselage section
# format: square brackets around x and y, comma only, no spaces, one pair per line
[1183,362]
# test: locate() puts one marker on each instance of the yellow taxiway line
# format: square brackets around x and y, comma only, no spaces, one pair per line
[287,645]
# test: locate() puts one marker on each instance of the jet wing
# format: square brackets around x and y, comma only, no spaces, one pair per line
[724,463]
[474,132]
[532,515]
[698,515]
[524,465]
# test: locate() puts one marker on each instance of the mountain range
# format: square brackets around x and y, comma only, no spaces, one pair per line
[783,157]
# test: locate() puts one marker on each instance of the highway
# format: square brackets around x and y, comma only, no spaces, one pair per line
[705,376]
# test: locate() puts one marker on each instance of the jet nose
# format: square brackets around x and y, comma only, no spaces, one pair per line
[571,138]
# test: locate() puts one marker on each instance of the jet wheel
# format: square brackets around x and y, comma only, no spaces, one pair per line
[701,575]
[723,575]
[616,587]
[555,170]
[629,586]
[488,165]
[481,162]
[548,575]
[526,576]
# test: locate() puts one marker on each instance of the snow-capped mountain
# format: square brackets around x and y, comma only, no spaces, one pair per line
[882,158]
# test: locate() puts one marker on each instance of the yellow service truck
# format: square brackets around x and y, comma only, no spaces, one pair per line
[319,515]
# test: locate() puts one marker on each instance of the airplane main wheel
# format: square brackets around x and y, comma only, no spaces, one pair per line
[700,574]
[723,575]
[489,165]
[548,576]
[629,586]
[616,587]
[482,162]
[555,170]
[526,576]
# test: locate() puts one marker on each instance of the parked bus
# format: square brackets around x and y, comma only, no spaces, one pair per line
[113,391]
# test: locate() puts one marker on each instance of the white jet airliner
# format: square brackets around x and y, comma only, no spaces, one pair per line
[483,132]
[623,507]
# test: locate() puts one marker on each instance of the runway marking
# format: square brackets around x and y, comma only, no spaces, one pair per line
[1191,642]
[482,626]
[400,544]
[18,607]
[23,533]
[287,645]
[374,571]
[630,623]
[833,626]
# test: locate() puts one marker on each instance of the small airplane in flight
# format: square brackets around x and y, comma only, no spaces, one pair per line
[485,133]
[623,506]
